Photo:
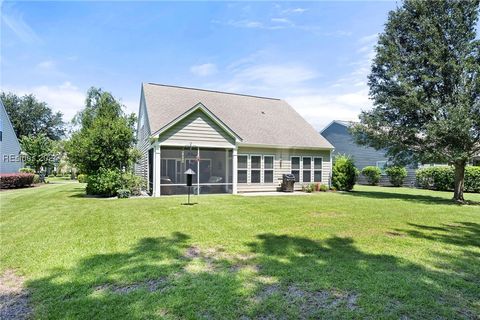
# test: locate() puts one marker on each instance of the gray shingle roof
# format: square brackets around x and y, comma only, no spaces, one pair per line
[256,120]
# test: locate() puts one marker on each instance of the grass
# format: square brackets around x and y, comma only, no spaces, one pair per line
[385,253]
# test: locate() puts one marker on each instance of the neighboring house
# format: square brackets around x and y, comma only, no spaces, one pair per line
[338,135]
[233,142]
[10,160]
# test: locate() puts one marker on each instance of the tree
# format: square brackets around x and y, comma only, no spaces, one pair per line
[31,117]
[106,137]
[39,151]
[425,87]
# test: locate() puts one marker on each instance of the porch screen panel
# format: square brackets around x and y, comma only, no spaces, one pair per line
[212,167]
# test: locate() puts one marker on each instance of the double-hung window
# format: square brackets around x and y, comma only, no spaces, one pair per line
[255,168]
[242,168]
[307,169]
[296,168]
[268,169]
[382,165]
[317,169]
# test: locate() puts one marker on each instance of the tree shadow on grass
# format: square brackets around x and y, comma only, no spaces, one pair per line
[280,277]
[464,234]
[397,195]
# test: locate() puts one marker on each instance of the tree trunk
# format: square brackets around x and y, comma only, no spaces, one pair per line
[459,180]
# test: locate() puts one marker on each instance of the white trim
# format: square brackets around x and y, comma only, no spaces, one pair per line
[234,171]
[211,115]
[263,169]
[277,146]
[299,167]
[313,170]
[157,170]
[256,169]
[246,168]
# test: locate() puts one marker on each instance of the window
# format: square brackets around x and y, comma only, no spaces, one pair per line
[296,168]
[255,165]
[307,169]
[268,169]
[382,165]
[242,168]
[317,169]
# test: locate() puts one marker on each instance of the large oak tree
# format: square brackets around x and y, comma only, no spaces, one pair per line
[425,86]
[31,117]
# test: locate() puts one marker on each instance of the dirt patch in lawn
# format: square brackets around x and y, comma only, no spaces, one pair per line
[216,259]
[310,302]
[14,298]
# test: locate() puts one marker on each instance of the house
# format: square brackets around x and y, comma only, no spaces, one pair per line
[337,134]
[10,158]
[233,142]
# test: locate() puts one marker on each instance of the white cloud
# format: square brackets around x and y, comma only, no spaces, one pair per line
[281,20]
[15,22]
[204,70]
[293,10]
[65,97]
[321,109]
[46,65]
[266,78]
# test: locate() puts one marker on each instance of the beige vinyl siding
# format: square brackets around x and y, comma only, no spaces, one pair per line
[143,140]
[199,130]
[282,165]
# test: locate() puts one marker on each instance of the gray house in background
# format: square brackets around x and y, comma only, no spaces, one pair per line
[338,135]
[10,160]
[233,142]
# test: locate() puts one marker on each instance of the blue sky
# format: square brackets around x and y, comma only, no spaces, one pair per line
[315,55]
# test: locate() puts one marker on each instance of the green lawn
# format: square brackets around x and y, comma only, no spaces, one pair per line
[391,253]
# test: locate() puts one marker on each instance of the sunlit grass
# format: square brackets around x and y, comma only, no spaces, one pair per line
[376,252]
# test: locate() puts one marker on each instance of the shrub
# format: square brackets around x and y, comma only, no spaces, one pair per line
[123,193]
[344,173]
[472,179]
[82,178]
[443,178]
[36,179]
[105,183]
[16,180]
[323,188]
[372,174]
[396,175]
[133,183]
[436,178]
[26,170]
[308,188]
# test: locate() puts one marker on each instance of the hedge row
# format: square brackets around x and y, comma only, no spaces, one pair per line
[16,180]
[443,178]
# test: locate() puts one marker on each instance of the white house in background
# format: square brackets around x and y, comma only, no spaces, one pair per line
[9,145]
[234,143]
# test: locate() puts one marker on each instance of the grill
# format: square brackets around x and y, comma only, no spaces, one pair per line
[288,182]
